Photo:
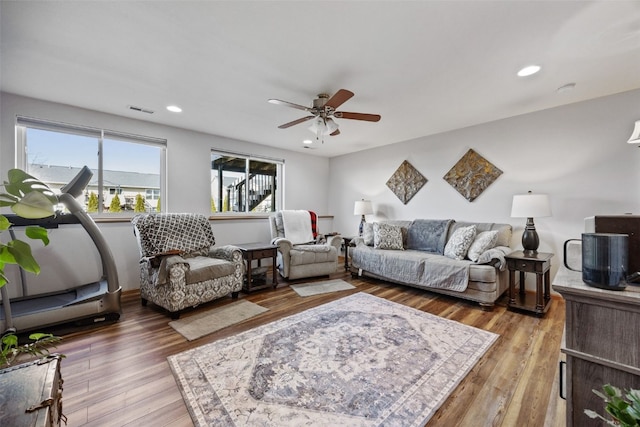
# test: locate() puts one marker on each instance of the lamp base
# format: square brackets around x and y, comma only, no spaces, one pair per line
[361,228]
[530,240]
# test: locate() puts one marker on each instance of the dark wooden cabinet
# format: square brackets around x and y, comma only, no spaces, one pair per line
[602,343]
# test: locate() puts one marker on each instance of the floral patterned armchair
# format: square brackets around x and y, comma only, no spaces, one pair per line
[179,267]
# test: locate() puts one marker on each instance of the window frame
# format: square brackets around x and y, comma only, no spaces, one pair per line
[21,147]
[280,171]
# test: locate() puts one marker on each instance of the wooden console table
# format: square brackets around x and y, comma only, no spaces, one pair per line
[259,251]
[601,343]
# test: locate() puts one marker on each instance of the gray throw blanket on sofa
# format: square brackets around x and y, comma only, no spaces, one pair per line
[417,268]
[428,235]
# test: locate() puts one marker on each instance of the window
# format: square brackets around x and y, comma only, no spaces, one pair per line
[241,183]
[126,168]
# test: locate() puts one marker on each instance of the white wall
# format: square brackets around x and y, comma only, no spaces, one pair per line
[188,163]
[577,154]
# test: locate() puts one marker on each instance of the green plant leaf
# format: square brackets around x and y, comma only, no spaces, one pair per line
[36,232]
[4,223]
[611,390]
[21,251]
[21,183]
[6,257]
[34,205]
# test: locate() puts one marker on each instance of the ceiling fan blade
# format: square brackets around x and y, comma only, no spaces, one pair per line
[357,116]
[336,132]
[295,122]
[339,98]
[289,104]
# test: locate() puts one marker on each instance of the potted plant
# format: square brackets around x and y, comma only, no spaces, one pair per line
[624,407]
[29,198]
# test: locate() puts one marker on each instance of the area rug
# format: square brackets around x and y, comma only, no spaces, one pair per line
[357,361]
[324,287]
[201,324]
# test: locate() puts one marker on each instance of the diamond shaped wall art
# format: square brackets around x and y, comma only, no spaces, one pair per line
[472,175]
[406,181]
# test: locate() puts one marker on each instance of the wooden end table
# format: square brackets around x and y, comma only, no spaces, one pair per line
[259,251]
[538,263]
[346,241]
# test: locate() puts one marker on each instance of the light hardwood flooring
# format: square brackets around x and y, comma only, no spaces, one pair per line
[118,375]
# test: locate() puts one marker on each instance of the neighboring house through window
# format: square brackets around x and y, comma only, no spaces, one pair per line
[125,167]
[243,183]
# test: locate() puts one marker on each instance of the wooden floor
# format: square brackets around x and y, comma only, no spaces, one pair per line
[117,374]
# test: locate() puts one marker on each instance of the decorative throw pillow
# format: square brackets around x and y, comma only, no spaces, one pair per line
[367,233]
[484,241]
[387,236]
[459,243]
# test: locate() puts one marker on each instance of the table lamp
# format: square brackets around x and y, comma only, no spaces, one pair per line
[529,206]
[362,207]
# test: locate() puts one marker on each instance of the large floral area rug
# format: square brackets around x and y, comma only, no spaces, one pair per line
[357,361]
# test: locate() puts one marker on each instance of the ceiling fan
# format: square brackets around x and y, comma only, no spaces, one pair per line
[322,111]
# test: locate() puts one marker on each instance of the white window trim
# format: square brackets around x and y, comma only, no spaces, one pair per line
[24,122]
[248,157]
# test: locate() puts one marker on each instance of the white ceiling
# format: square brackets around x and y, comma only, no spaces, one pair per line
[425,66]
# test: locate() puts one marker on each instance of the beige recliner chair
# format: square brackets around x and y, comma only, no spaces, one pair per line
[301,255]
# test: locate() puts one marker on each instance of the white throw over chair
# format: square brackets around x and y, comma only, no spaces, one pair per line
[300,254]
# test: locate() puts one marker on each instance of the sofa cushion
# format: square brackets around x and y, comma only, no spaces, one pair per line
[504,230]
[459,243]
[312,254]
[483,241]
[205,268]
[387,236]
[428,235]
[367,233]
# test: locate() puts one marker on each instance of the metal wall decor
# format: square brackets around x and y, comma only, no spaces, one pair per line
[472,175]
[406,181]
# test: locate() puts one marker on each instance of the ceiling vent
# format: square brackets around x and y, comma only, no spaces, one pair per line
[140,109]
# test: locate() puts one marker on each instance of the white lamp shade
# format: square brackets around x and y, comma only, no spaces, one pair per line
[635,135]
[363,207]
[530,206]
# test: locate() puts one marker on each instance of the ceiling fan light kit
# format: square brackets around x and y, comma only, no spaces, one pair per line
[322,111]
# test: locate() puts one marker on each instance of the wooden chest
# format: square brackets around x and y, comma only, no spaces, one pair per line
[31,394]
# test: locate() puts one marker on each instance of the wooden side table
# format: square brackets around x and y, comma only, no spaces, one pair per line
[538,263]
[259,251]
[346,241]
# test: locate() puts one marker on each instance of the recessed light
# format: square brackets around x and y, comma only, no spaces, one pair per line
[174,109]
[307,141]
[528,70]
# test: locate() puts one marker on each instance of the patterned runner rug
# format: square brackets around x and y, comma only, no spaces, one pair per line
[357,361]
